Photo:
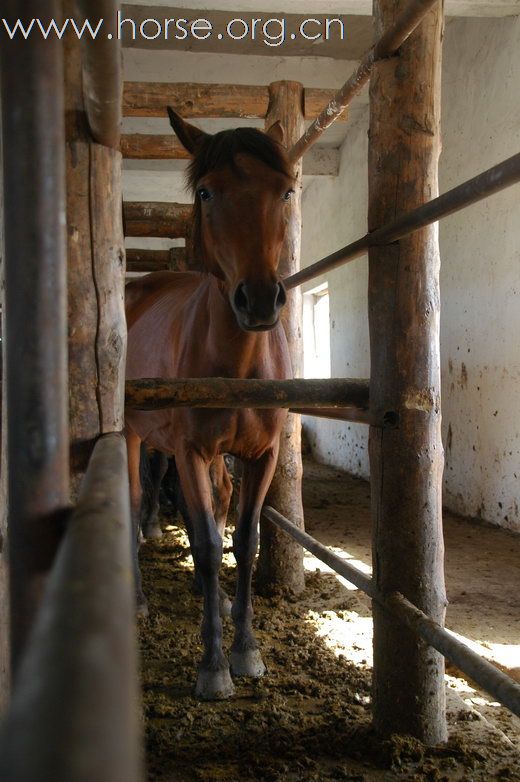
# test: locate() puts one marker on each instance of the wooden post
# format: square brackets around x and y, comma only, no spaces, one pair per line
[35,313]
[96,269]
[406,461]
[280,562]
[5,664]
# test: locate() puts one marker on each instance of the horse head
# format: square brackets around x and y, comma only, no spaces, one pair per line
[243,184]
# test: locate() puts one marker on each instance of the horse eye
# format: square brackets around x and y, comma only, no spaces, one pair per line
[288,194]
[203,194]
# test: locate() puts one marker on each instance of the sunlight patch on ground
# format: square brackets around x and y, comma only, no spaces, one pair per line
[506,655]
[313,564]
[345,633]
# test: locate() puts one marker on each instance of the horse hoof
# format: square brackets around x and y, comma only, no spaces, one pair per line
[214,685]
[142,611]
[224,605]
[247,663]
[153,532]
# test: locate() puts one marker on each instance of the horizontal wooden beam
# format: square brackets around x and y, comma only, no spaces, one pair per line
[157,219]
[219,392]
[345,39]
[190,99]
[320,161]
[143,146]
[173,259]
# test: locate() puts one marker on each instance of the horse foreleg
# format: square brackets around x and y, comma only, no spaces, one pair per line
[157,466]
[213,680]
[246,659]
[133,445]
[222,490]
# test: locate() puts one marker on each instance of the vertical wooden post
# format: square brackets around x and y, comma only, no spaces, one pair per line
[280,562]
[406,461]
[35,316]
[5,664]
[96,269]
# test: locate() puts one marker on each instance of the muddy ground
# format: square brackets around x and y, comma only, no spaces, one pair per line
[309,718]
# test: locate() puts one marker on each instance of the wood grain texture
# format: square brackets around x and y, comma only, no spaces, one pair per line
[280,563]
[157,219]
[222,392]
[192,99]
[407,461]
[173,259]
[96,268]
[143,146]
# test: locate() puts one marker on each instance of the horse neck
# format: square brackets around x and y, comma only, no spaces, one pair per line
[243,351]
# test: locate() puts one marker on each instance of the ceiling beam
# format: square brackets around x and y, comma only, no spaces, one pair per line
[157,219]
[138,260]
[191,99]
[489,8]
[146,148]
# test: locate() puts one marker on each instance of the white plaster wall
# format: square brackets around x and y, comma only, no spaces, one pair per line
[334,214]
[480,278]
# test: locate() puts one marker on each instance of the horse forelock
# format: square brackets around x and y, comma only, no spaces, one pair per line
[219,151]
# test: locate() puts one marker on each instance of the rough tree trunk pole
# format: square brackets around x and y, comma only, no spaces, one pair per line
[5,662]
[96,269]
[35,311]
[407,461]
[280,563]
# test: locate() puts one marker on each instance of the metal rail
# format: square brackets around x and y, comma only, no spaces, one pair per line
[74,712]
[387,45]
[481,186]
[486,675]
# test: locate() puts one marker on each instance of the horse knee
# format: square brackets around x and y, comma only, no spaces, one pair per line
[245,543]
[207,553]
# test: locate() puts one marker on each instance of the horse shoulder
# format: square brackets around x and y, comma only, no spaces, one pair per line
[142,293]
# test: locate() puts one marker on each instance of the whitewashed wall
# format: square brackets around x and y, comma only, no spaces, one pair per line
[480,278]
[334,214]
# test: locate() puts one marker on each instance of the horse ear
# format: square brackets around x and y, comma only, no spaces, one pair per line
[276,131]
[189,136]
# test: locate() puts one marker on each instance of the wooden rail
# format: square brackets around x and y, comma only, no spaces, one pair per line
[74,716]
[192,99]
[157,219]
[144,146]
[220,392]
[173,259]
[486,675]
[481,186]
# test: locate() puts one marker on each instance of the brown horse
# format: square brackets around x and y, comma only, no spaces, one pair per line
[221,323]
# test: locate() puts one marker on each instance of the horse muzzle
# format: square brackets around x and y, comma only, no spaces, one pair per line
[257,305]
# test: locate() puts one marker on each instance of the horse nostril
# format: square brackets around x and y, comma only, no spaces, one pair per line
[281,296]
[240,298]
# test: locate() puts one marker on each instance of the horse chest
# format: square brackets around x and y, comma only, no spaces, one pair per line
[244,433]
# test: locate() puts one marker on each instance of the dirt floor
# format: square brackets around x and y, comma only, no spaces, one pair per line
[309,717]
